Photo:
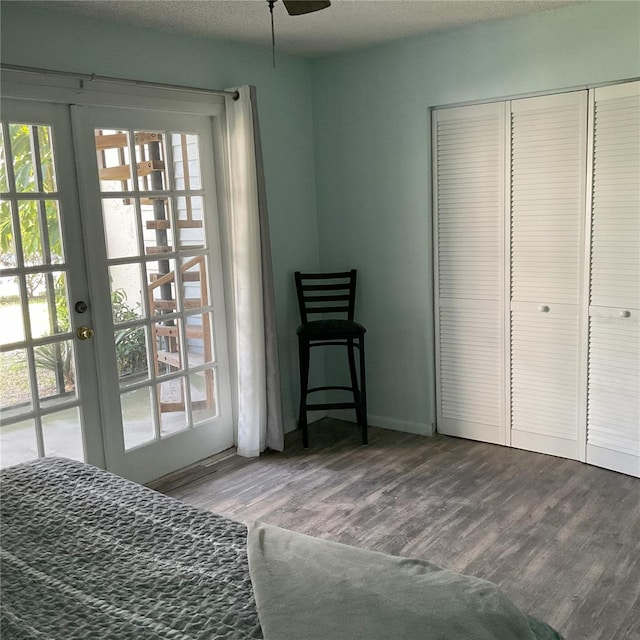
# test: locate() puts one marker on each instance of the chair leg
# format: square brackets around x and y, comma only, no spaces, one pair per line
[303,356]
[354,381]
[363,393]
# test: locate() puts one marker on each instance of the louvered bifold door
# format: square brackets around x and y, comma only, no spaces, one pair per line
[548,183]
[613,410]
[469,188]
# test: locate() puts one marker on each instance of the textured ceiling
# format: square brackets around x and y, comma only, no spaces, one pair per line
[346,25]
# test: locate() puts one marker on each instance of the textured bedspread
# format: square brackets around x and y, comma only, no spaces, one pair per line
[86,554]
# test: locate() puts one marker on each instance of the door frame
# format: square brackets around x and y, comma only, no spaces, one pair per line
[69,89]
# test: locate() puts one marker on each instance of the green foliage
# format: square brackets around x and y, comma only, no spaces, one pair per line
[20,141]
[131,352]
[122,312]
[130,343]
[20,146]
[57,356]
[7,243]
[62,306]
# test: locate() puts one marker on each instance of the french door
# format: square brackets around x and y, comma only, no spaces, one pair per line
[49,387]
[145,328]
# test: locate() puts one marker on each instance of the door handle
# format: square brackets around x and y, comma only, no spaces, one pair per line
[85,333]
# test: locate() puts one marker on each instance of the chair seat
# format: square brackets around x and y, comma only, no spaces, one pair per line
[330,329]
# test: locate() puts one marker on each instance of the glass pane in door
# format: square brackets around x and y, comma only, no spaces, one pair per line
[154,217]
[38,403]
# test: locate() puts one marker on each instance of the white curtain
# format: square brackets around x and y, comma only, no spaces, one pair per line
[258,377]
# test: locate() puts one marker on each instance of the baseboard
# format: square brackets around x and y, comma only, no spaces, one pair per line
[419,428]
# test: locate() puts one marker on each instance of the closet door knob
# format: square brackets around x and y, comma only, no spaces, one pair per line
[544,308]
[625,314]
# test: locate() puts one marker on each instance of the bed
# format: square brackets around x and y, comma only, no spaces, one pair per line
[87,554]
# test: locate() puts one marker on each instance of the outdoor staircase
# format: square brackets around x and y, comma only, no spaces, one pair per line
[164,285]
[168,335]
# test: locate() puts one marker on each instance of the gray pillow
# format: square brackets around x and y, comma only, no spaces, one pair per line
[312,589]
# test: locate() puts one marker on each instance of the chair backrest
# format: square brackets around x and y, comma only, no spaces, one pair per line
[326,293]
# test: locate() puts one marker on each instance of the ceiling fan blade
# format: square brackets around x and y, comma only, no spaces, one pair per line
[300,7]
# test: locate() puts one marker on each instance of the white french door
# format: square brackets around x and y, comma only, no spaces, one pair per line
[49,388]
[147,329]
[149,196]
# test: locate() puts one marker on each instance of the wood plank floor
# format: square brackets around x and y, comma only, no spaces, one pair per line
[561,538]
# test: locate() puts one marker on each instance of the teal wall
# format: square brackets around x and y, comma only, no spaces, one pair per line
[346,142]
[372,146]
[53,40]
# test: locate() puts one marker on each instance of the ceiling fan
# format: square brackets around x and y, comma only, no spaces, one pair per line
[294,8]
[300,7]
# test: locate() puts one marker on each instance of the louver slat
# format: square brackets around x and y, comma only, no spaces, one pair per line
[615,239]
[613,412]
[548,148]
[544,374]
[613,389]
[470,366]
[469,157]
[548,181]
[469,216]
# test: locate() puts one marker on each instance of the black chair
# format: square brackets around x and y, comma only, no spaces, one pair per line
[330,294]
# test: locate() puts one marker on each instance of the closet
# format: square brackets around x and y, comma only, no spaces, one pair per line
[547,204]
[537,273]
[613,394]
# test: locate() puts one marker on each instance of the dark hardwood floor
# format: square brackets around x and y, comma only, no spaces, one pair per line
[561,538]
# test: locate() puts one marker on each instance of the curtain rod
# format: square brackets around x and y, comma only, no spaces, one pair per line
[138,83]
